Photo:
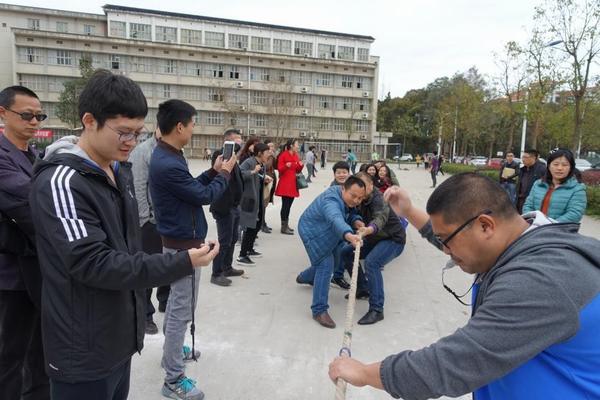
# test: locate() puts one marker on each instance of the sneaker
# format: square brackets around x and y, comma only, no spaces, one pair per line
[220,280]
[183,389]
[233,272]
[254,253]
[245,261]
[187,354]
[341,283]
[151,328]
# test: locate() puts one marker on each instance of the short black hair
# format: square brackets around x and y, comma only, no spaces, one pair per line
[260,148]
[435,152]
[533,152]
[231,131]
[172,112]
[341,165]
[107,95]
[7,95]
[268,141]
[353,180]
[462,196]
[558,153]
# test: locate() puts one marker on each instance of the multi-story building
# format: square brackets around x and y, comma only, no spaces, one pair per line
[267,80]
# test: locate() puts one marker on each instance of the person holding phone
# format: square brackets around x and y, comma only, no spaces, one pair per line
[288,165]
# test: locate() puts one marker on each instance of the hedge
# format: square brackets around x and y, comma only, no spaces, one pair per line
[591,180]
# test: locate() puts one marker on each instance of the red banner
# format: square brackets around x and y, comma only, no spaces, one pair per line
[40,134]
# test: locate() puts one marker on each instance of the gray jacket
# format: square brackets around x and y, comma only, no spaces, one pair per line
[251,197]
[140,164]
[530,300]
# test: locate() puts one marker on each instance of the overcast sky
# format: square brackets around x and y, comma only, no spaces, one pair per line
[417,40]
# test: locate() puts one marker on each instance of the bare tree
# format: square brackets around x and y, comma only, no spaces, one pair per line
[281,107]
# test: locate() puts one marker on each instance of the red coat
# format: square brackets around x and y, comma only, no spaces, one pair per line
[286,187]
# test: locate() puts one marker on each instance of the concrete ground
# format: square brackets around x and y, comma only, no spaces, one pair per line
[258,339]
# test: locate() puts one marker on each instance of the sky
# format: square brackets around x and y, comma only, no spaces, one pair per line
[417,40]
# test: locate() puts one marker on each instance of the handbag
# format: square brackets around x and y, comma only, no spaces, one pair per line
[301,181]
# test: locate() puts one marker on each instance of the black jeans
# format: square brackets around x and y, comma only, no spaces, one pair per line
[434,177]
[227,231]
[113,387]
[249,236]
[286,206]
[21,353]
[152,244]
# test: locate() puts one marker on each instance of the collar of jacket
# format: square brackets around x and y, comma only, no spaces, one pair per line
[17,154]
[162,144]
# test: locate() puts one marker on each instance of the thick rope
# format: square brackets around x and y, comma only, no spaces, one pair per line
[340,389]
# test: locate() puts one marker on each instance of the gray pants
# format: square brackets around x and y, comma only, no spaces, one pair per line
[180,307]
[311,171]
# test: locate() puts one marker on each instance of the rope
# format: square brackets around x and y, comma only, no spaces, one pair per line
[340,389]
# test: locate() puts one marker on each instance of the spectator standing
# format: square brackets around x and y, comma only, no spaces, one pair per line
[288,165]
[310,160]
[351,160]
[434,163]
[323,158]
[508,176]
[532,170]
[248,149]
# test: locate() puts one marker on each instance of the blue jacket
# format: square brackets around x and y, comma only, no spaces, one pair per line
[325,222]
[567,204]
[178,197]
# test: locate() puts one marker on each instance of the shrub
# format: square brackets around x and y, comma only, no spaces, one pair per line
[591,177]
[593,200]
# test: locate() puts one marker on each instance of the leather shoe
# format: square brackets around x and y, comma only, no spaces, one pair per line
[151,328]
[233,272]
[220,280]
[371,317]
[325,320]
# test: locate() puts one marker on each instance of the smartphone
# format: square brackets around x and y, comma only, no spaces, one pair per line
[228,149]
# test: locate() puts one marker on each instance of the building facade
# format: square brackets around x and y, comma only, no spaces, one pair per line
[270,81]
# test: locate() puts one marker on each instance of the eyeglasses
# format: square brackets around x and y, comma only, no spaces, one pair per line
[127,136]
[460,228]
[453,293]
[28,116]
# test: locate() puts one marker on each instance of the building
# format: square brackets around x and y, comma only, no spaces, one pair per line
[267,80]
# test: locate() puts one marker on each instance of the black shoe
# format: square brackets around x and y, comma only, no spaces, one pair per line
[233,272]
[371,317]
[340,282]
[245,261]
[220,280]
[151,328]
[265,229]
[360,295]
[254,253]
[301,282]
[162,306]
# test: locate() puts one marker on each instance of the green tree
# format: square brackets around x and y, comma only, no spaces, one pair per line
[67,107]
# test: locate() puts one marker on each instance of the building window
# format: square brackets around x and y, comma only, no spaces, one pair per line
[326,51]
[214,118]
[115,61]
[64,57]
[141,64]
[215,94]
[117,28]
[303,48]
[323,80]
[347,81]
[301,123]
[259,98]
[33,82]
[282,46]
[147,89]
[259,121]
[214,39]
[215,71]
[234,72]
[62,27]
[192,93]
[140,31]
[190,36]
[343,103]
[261,44]
[260,74]
[301,78]
[30,55]
[89,29]
[361,125]
[362,104]
[346,53]
[56,84]
[238,41]
[166,34]
[363,83]
[324,124]
[168,66]
[196,141]
[192,69]
[33,24]
[339,125]
[166,91]
[301,100]
[363,54]
[324,102]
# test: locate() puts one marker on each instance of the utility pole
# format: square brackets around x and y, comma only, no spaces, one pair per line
[455,132]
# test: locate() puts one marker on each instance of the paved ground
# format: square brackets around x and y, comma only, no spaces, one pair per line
[258,340]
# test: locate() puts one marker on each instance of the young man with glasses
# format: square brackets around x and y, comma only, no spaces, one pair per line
[88,241]
[21,356]
[533,332]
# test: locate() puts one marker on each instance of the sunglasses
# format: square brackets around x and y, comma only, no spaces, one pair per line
[28,116]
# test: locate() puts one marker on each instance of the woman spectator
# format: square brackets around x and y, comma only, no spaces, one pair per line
[248,149]
[372,171]
[251,204]
[559,195]
[383,180]
[288,165]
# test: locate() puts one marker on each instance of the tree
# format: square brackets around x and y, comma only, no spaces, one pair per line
[576,25]
[67,108]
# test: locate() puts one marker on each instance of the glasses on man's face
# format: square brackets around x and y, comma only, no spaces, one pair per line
[28,116]
[460,228]
[128,136]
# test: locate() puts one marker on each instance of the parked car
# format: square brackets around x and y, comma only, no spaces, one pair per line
[478,161]
[406,157]
[495,163]
[582,164]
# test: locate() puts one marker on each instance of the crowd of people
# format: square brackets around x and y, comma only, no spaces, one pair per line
[96,222]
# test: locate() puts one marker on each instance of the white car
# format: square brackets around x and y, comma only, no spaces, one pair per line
[582,165]
[406,157]
[479,161]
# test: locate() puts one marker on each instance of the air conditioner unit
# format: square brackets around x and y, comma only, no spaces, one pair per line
[304,112]
[366,94]
[365,116]
[241,131]
[263,133]
[304,90]
[242,108]
[252,131]
[363,137]
[239,84]
[302,134]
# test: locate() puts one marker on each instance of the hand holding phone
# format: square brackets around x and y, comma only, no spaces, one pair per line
[228,150]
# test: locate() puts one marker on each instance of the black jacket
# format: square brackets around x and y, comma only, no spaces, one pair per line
[527,176]
[512,179]
[233,194]
[88,241]
[375,212]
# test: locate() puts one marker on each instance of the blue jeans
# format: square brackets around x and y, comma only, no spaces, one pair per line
[320,274]
[510,189]
[375,258]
